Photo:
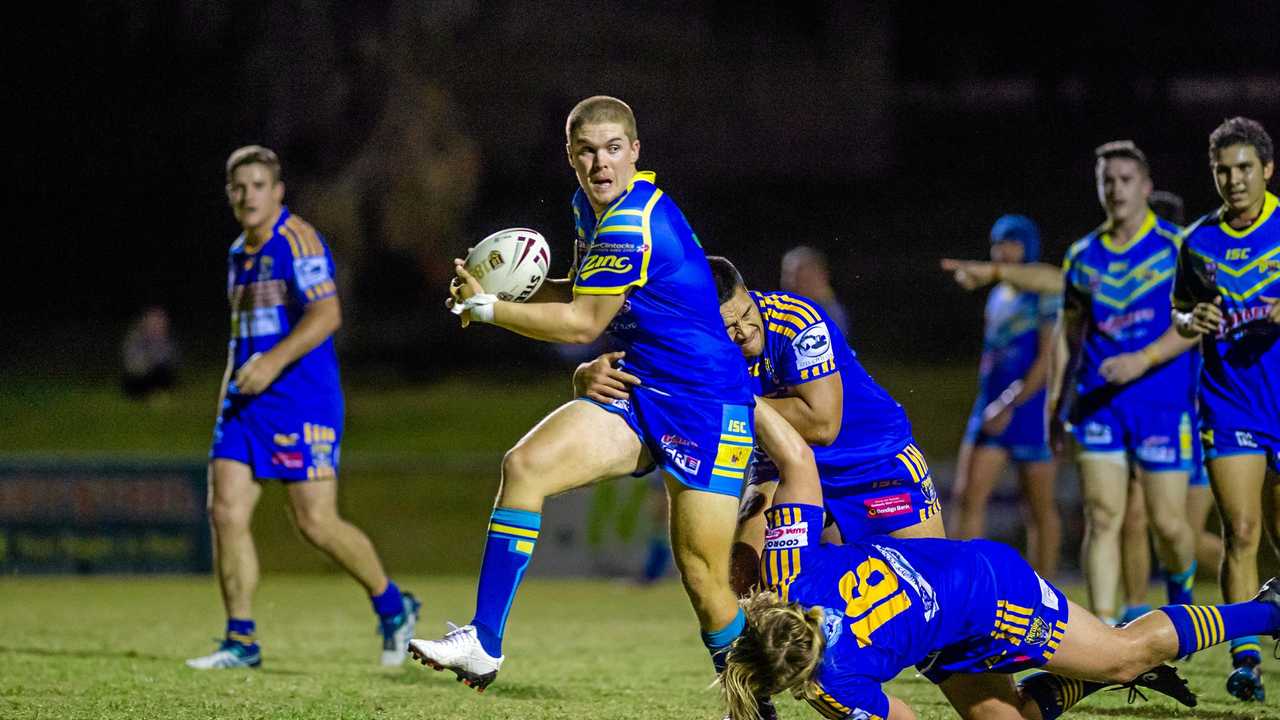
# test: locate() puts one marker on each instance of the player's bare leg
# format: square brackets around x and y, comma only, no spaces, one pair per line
[233,495]
[988,697]
[1135,553]
[1104,479]
[577,444]
[1175,543]
[1208,543]
[702,528]
[313,506]
[1237,483]
[1044,531]
[977,471]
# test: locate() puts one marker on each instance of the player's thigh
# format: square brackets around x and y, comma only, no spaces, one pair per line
[1237,482]
[1166,495]
[1092,649]
[1104,483]
[577,444]
[702,527]
[988,696]
[1037,480]
[929,528]
[1199,504]
[313,501]
[233,493]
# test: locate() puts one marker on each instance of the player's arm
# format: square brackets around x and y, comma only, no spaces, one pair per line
[602,380]
[1127,367]
[581,320]
[320,319]
[1193,317]
[553,290]
[792,456]
[815,409]
[1026,277]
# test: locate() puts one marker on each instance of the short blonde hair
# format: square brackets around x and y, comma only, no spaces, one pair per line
[254,154]
[601,109]
[779,650]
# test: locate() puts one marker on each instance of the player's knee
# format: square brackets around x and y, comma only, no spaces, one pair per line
[227,516]
[1103,518]
[1171,525]
[1242,534]
[317,528]
[522,466]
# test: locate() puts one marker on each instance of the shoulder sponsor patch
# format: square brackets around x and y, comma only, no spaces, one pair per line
[311,271]
[813,346]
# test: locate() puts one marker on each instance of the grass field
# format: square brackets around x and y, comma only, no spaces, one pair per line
[105,648]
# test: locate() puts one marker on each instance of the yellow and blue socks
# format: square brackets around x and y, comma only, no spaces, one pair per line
[512,536]
[1246,650]
[1200,626]
[388,604]
[719,641]
[242,631]
[1178,586]
[1056,694]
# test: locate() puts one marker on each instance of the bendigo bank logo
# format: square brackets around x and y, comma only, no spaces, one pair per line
[604,264]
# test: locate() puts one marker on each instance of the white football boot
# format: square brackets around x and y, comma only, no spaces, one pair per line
[460,651]
[229,655]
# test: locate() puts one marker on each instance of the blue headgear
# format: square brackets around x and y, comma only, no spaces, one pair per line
[1018,228]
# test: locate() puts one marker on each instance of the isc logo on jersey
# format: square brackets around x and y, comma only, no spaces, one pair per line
[813,346]
[786,538]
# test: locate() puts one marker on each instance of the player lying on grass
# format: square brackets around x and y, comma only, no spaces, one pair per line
[836,622]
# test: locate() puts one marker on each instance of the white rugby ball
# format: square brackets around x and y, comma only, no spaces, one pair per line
[511,263]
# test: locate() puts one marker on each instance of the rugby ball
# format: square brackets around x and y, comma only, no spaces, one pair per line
[511,263]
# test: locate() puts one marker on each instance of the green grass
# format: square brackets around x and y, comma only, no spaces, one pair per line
[104,648]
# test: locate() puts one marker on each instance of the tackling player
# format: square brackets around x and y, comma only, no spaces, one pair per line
[644,279]
[1007,422]
[1127,385]
[836,622]
[1226,295]
[280,411]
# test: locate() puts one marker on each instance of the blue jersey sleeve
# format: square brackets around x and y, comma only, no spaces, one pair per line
[310,270]
[811,353]
[792,532]
[849,697]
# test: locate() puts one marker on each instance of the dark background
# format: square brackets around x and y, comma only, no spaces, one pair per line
[887,134]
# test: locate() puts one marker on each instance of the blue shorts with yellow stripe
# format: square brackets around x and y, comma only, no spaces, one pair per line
[882,496]
[290,446]
[704,444]
[1027,620]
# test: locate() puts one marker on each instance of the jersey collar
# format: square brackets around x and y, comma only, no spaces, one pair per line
[1147,225]
[1268,208]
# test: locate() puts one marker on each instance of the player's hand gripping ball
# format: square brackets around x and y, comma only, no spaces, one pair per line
[510,264]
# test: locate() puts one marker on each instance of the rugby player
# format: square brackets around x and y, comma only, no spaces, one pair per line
[280,411]
[1007,422]
[836,622]
[1227,295]
[1127,383]
[875,480]
[644,279]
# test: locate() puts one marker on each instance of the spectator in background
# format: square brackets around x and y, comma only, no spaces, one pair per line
[150,356]
[805,272]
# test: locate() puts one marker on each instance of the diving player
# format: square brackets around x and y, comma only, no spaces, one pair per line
[1227,294]
[644,279]
[1127,386]
[836,622]
[280,411]
[1007,422]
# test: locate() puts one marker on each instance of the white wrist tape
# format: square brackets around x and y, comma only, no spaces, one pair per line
[480,305]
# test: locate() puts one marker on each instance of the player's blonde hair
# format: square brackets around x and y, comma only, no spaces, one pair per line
[601,109]
[778,651]
[251,154]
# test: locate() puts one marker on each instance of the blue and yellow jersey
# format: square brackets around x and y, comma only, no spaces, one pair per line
[1123,292]
[886,604]
[268,290]
[803,344]
[1240,380]
[945,606]
[1011,337]
[669,325]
